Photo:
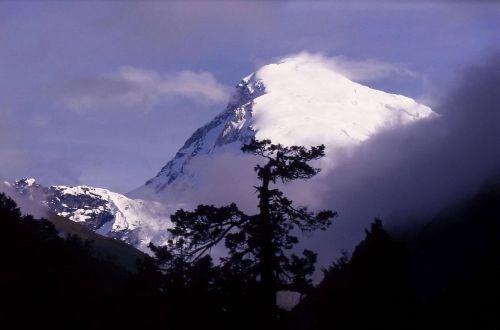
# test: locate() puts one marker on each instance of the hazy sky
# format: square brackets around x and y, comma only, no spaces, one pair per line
[104,93]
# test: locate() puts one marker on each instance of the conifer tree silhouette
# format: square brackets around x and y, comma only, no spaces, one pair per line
[257,245]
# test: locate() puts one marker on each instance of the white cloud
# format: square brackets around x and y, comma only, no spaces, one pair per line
[368,70]
[140,89]
[360,70]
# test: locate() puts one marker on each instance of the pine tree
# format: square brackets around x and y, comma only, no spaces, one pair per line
[257,245]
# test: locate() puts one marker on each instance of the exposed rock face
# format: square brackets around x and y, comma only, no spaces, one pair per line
[232,125]
[86,206]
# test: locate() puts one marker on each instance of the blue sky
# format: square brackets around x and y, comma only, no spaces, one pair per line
[104,93]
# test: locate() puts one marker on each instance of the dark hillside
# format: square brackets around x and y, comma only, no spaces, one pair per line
[443,275]
[105,248]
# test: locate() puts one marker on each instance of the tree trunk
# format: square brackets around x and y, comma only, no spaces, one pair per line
[266,255]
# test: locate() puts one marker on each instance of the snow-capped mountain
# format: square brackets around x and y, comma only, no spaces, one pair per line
[133,221]
[298,101]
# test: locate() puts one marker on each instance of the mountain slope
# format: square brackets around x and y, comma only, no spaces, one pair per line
[134,221]
[105,248]
[298,101]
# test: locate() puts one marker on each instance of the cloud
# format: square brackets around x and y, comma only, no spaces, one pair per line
[221,179]
[359,70]
[407,175]
[370,69]
[140,89]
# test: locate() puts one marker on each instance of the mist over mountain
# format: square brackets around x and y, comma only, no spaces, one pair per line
[410,173]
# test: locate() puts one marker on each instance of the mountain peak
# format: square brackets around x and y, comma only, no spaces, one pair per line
[28,182]
[300,100]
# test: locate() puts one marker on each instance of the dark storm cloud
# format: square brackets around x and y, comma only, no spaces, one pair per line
[406,174]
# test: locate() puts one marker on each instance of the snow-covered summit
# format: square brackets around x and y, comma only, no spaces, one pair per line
[300,100]
[27,181]
[27,187]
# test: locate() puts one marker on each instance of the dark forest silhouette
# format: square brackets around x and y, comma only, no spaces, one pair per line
[444,274]
[50,281]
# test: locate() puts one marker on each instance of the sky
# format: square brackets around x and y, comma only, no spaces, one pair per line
[105,93]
